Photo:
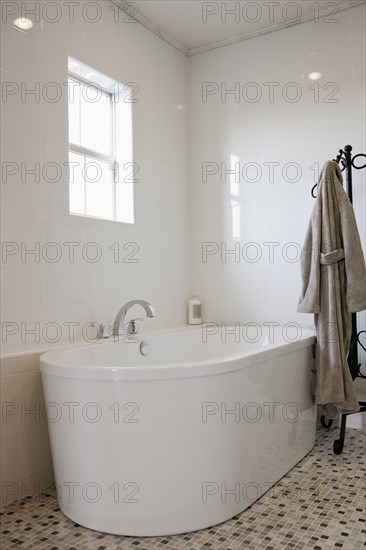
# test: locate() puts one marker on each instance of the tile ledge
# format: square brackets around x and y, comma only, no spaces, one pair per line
[19,350]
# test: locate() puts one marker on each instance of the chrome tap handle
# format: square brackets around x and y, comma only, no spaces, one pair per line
[102,330]
[133,328]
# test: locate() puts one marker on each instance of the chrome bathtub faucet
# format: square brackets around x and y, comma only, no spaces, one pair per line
[132,327]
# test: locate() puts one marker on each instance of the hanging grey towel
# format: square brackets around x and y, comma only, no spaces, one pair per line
[333,286]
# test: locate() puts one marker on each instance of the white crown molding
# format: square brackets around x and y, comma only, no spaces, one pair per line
[123,4]
[145,22]
[266,30]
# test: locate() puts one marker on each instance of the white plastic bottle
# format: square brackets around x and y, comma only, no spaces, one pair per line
[195,311]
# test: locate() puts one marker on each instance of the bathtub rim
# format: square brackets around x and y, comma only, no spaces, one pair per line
[52,363]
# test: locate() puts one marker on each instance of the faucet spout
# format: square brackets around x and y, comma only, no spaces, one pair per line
[121,315]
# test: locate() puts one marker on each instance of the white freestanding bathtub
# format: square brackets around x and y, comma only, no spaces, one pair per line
[183,438]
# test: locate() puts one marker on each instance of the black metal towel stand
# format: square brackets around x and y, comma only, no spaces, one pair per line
[348,162]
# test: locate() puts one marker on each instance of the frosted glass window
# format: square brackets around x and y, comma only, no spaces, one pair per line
[98,119]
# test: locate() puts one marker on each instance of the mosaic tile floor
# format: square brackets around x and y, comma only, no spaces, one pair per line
[319,505]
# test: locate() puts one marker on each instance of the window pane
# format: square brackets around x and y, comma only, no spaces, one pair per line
[77,184]
[99,128]
[74,112]
[99,189]
[95,120]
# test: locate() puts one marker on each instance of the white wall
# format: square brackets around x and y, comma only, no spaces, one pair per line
[32,212]
[303,132]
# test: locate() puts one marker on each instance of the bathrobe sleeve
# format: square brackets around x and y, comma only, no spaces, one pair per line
[309,301]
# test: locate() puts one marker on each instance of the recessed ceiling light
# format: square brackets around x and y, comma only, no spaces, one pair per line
[315,76]
[23,23]
[181,107]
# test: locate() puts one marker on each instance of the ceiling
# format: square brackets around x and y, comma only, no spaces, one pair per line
[193,26]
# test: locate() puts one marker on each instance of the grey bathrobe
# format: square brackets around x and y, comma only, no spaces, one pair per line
[333,286]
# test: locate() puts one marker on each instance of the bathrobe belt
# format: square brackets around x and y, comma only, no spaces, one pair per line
[332,257]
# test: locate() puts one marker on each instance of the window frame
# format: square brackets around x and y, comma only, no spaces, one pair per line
[96,155]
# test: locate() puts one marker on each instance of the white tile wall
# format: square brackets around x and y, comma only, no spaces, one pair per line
[303,132]
[35,130]
[25,449]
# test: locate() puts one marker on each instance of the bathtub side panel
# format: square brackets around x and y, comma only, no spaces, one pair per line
[158,457]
